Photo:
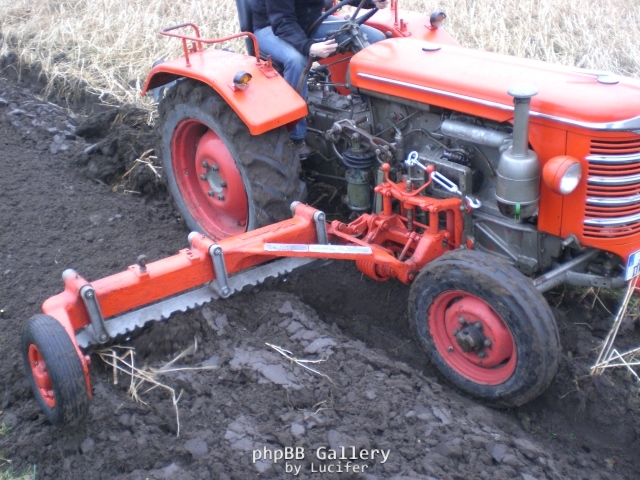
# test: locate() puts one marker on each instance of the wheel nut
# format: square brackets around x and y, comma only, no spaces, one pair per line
[220,196]
[223,184]
[203,177]
[205,164]
[214,168]
[482,354]
[450,349]
[487,342]
[456,332]
[211,193]
[462,321]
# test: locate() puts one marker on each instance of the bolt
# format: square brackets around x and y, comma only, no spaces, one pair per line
[462,321]
[223,184]
[487,342]
[450,349]
[103,337]
[217,251]
[36,363]
[456,332]
[215,168]
[220,196]
[205,164]
[142,262]
[482,354]
[203,177]
[226,291]
[89,295]
[478,325]
[211,193]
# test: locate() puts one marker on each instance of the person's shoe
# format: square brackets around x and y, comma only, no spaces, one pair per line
[303,150]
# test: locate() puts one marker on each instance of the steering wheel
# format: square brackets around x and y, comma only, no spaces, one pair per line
[348,29]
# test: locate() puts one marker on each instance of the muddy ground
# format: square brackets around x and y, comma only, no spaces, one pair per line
[374,390]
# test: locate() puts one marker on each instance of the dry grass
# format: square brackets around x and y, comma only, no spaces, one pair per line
[7,472]
[144,379]
[110,45]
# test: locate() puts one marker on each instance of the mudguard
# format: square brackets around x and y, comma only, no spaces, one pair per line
[268,102]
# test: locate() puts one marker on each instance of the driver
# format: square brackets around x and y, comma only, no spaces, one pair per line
[281,29]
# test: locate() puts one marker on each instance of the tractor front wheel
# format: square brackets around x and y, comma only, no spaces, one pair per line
[55,371]
[224,180]
[485,327]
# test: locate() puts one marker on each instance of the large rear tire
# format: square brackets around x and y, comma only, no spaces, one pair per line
[55,371]
[485,327]
[224,180]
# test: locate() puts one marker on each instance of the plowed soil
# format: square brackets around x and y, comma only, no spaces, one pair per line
[241,400]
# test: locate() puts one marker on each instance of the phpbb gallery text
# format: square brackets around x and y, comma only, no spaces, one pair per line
[321,459]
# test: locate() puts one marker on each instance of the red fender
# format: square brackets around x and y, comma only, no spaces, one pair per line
[268,102]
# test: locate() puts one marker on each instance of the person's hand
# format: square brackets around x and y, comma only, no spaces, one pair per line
[323,49]
[381,4]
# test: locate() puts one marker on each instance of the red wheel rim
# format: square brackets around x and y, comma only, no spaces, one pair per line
[209,181]
[491,365]
[41,376]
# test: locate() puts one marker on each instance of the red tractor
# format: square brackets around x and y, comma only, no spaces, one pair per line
[481,179]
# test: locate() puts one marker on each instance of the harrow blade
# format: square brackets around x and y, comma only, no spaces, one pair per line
[162,310]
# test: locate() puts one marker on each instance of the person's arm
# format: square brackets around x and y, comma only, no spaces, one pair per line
[283,20]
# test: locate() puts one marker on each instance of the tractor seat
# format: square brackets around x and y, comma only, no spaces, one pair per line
[246,25]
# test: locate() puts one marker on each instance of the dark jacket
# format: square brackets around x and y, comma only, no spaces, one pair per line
[290,19]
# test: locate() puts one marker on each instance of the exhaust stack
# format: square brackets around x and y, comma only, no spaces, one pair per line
[518,182]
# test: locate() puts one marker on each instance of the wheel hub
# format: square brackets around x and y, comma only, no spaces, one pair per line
[208,180]
[470,337]
[41,375]
[212,176]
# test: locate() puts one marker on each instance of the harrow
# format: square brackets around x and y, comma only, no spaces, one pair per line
[86,314]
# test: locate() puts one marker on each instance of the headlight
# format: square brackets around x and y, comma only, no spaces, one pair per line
[562,174]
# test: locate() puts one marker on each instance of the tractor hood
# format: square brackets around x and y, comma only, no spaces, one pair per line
[477,82]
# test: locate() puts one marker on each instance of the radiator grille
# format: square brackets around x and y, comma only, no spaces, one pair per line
[613,188]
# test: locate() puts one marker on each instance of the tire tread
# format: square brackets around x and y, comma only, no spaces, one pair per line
[64,368]
[270,166]
[524,293]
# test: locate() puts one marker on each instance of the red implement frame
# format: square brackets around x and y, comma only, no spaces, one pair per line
[386,245]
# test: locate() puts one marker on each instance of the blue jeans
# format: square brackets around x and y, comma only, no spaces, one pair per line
[294,62]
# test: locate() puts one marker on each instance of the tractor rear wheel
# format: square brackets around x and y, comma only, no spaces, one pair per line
[55,371]
[224,180]
[485,327]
